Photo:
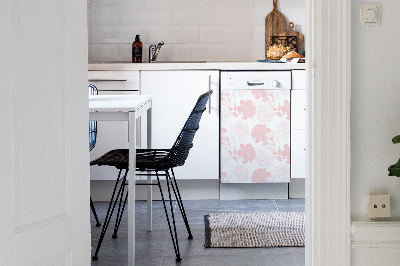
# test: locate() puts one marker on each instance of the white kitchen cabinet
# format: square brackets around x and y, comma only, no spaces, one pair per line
[298,117]
[298,154]
[298,109]
[174,96]
[298,79]
[112,134]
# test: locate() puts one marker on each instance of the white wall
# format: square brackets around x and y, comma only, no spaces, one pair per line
[375,108]
[193,30]
[375,120]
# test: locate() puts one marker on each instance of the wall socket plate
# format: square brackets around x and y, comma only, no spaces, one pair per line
[378,206]
[369,14]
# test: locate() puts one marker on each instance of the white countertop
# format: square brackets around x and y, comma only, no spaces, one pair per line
[196,66]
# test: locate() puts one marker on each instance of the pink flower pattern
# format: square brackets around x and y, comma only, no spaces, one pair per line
[255,136]
[260,133]
[261,176]
[223,178]
[239,130]
[247,153]
[282,130]
[239,174]
[265,156]
[247,109]
[265,112]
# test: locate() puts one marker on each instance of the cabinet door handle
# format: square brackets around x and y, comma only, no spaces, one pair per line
[100,80]
[209,99]
[254,83]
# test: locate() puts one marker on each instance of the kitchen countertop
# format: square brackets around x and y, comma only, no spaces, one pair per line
[195,66]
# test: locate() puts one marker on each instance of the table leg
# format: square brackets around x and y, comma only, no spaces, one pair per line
[132,190]
[149,178]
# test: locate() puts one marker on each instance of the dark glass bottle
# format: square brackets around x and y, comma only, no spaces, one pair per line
[137,49]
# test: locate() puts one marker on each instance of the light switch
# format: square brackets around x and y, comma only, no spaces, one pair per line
[369,14]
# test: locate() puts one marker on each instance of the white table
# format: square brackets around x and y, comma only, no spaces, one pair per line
[127,108]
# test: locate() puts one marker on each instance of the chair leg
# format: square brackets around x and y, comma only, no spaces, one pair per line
[174,239]
[94,213]
[120,211]
[180,203]
[109,212]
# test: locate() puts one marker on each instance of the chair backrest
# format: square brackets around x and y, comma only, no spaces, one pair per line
[92,124]
[180,150]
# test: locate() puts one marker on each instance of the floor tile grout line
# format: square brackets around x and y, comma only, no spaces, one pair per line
[276,205]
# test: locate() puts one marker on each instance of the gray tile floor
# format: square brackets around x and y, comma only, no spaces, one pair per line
[155,248]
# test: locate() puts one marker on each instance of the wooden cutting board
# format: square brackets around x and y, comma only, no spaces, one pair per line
[299,36]
[275,23]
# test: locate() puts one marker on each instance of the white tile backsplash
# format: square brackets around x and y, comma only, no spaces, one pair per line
[246,17]
[119,3]
[294,11]
[192,30]
[224,34]
[245,52]
[172,3]
[145,17]
[125,52]
[214,3]
[199,16]
[226,3]
[89,52]
[103,52]
[115,34]
[265,5]
[199,52]
[104,16]
[173,34]
[239,4]
[258,35]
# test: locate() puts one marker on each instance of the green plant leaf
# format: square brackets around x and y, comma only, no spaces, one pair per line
[394,170]
[396,139]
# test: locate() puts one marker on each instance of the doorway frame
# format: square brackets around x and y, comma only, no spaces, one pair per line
[328,224]
[328,51]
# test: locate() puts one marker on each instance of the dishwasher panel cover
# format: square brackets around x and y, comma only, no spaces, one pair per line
[255,136]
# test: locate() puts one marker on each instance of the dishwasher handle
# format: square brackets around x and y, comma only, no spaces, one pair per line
[249,83]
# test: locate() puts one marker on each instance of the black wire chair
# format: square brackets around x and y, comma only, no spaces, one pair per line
[154,160]
[92,143]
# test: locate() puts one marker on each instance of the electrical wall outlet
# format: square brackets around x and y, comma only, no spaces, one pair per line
[378,206]
[369,14]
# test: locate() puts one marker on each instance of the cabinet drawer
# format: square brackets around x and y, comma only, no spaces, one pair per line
[298,109]
[298,154]
[115,80]
[298,79]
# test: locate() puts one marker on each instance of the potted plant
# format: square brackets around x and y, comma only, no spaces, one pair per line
[394,170]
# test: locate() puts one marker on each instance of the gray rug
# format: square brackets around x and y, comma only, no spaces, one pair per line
[238,230]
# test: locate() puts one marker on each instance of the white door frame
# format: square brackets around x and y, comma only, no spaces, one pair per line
[329,82]
[328,178]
